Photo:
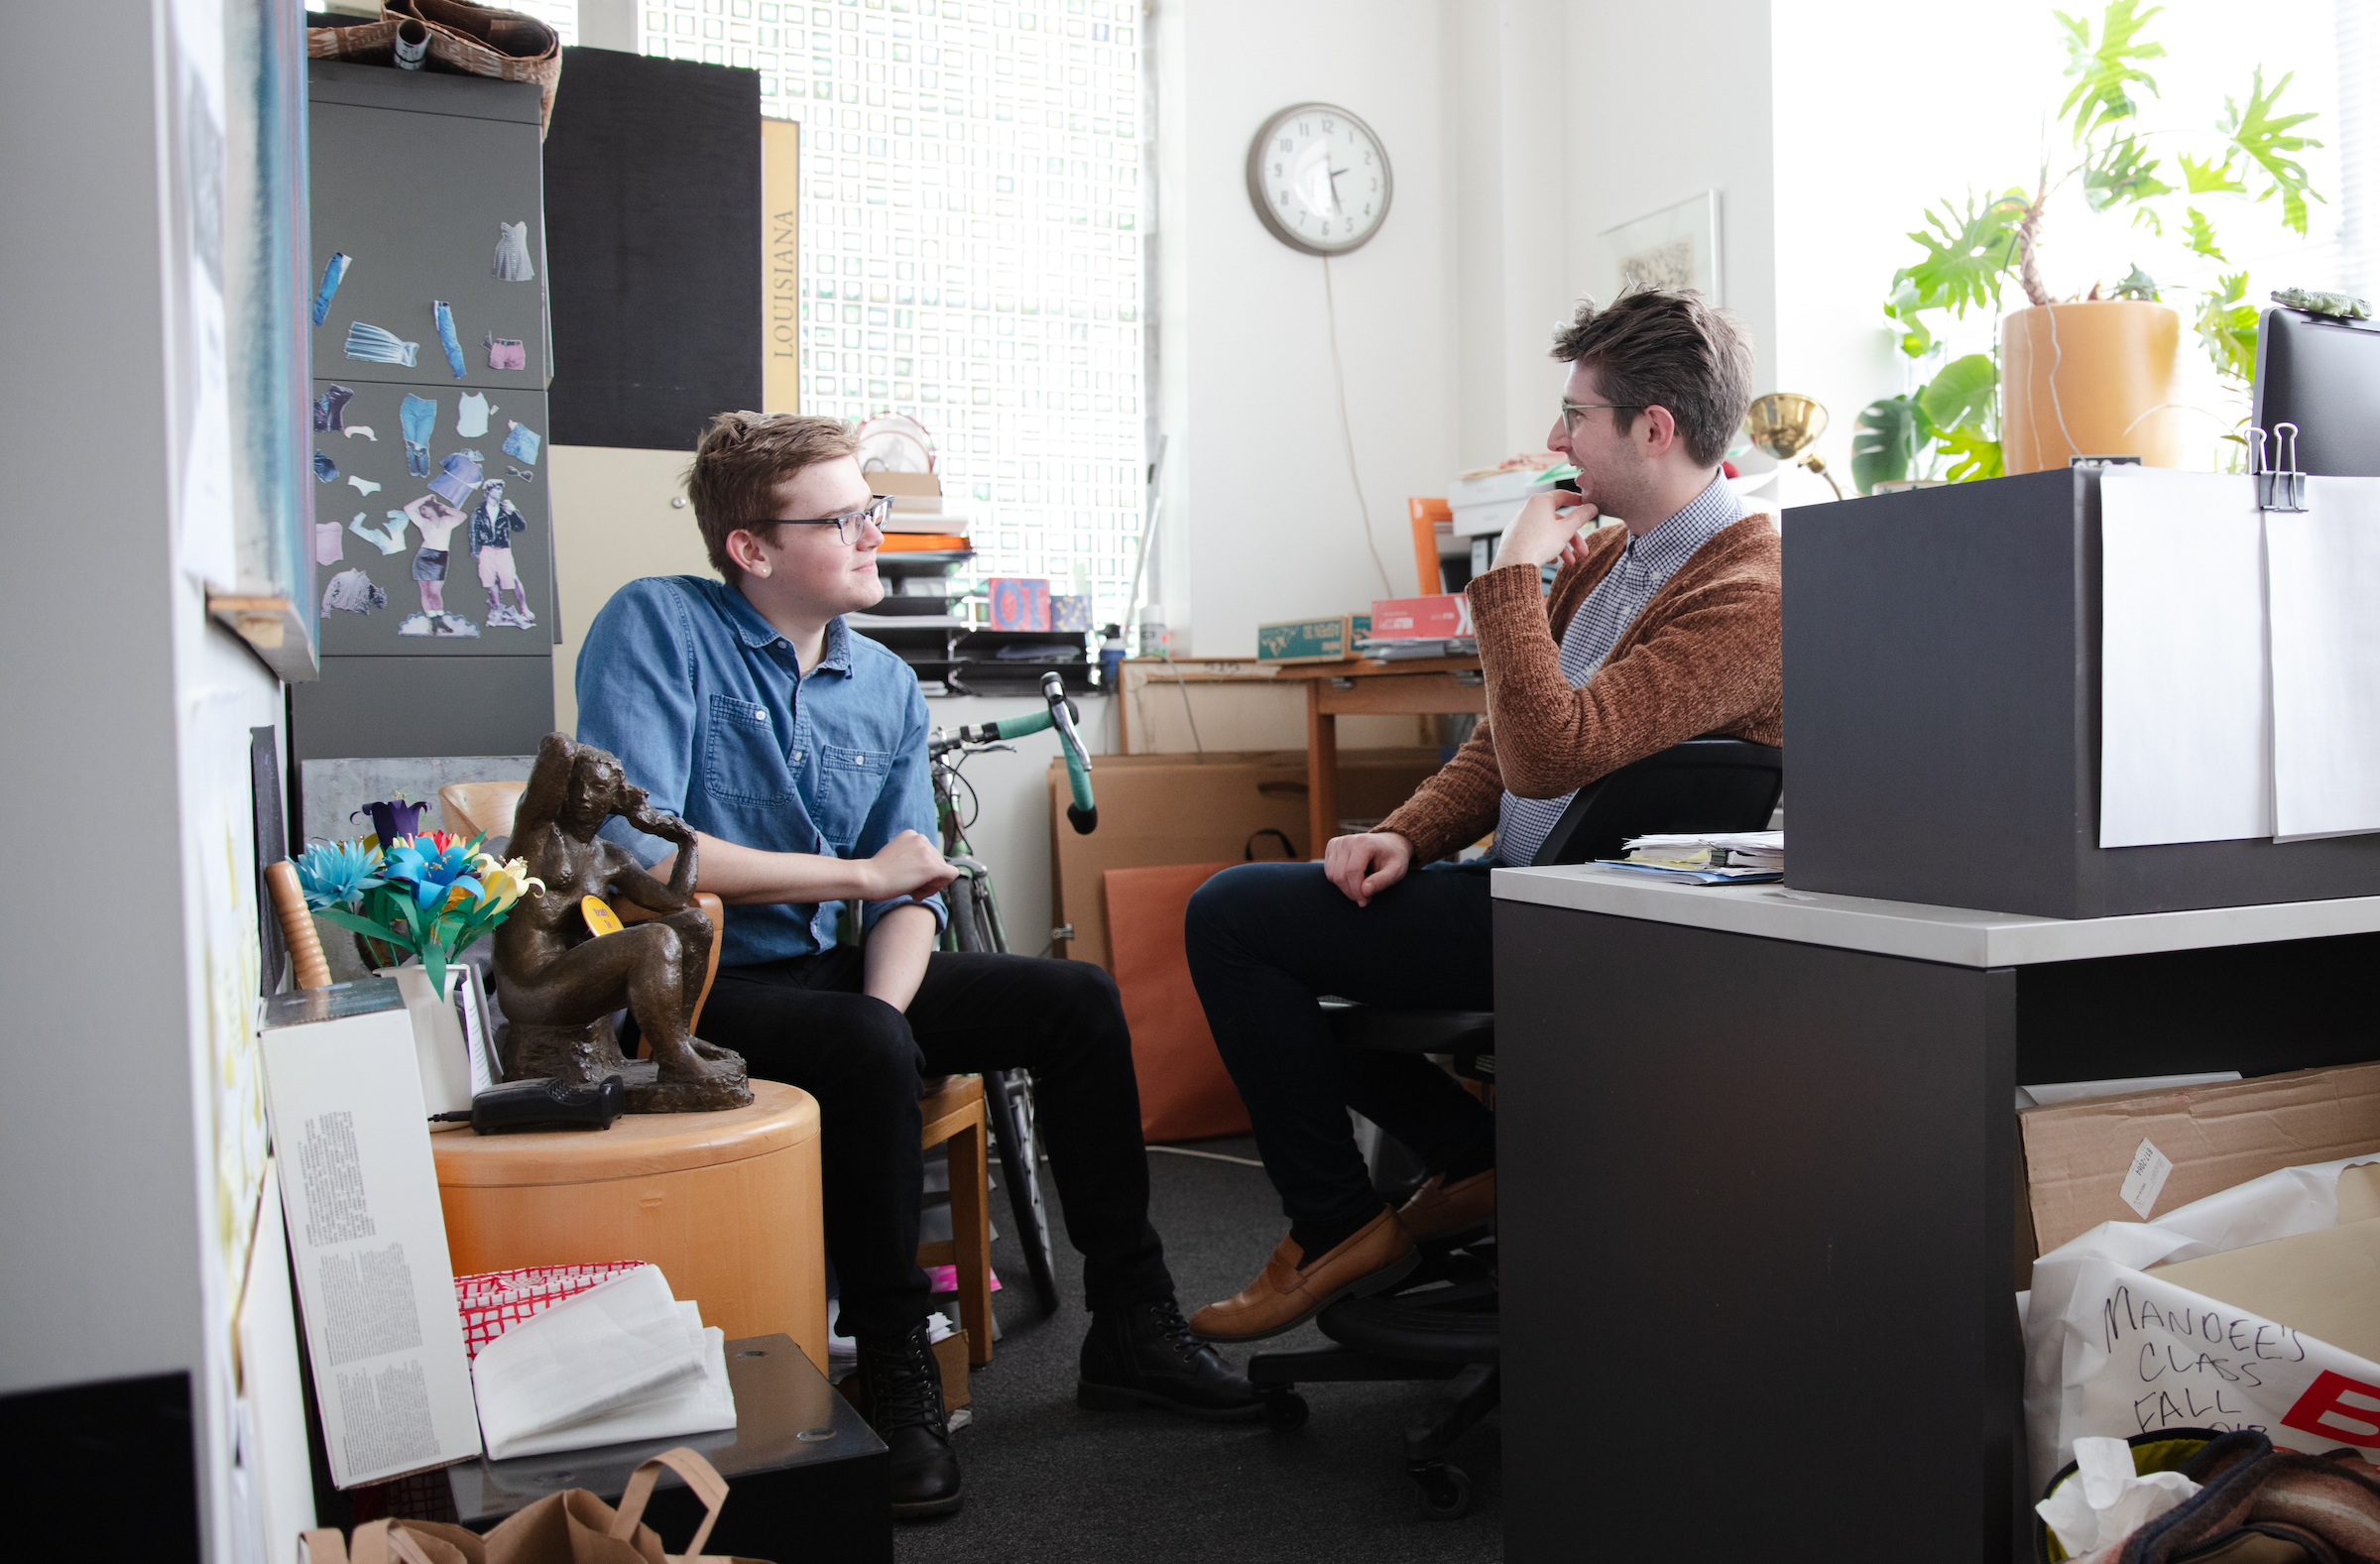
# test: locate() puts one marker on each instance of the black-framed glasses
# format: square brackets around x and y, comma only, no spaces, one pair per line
[878,508]
[1571,410]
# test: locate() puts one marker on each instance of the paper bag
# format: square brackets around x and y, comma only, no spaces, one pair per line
[1185,1092]
[572,1528]
[2115,1348]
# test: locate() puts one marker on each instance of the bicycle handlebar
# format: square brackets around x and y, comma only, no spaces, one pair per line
[1083,812]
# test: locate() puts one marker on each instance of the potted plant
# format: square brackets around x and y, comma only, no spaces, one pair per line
[2092,372]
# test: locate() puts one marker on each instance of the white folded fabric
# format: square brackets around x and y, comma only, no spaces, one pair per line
[614,1346]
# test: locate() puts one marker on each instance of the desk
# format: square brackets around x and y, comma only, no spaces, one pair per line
[1423,687]
[1758,1195]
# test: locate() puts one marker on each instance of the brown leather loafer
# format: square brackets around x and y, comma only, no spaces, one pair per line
[1285,1298]
[1439,1209]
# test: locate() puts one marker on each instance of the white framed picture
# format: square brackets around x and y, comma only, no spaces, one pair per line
[1675,247]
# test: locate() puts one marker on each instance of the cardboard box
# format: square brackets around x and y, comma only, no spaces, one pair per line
[2325,1283]
[1331,639]
[1158,809]
[2074,1159]
[950,1357]
[1421,617]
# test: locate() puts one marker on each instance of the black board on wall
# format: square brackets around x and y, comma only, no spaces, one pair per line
[653,236]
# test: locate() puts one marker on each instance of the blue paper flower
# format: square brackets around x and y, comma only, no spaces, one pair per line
[337,874]
[431,870]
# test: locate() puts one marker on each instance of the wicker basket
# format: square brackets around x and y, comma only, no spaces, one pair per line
[483,41]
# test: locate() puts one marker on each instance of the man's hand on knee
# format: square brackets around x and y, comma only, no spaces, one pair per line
[1364,866]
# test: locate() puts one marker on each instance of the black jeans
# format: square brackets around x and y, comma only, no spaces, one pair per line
[1264,940]
[803,1021]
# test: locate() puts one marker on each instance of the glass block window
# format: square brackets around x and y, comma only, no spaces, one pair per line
[971,226]
[561,15]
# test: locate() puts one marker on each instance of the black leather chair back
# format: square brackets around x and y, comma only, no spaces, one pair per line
[1711,784]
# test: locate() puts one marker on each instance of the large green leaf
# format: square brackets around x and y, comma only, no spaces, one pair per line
[2201,178]
[2121,171]
[1883,442]
[2200,236]
[2266,139]
[2228,327]
[1975,457]
[1966,254]
[1961,396]
[1905,312]
[2138,285]
[2109,69]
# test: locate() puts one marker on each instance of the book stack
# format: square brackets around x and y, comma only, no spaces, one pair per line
[1726,858]
[926,540]
[1404,628]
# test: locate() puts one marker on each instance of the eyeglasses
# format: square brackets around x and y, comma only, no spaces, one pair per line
[1571,410]
[845,524]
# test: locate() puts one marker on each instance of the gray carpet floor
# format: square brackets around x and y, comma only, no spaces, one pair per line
[1052,1483]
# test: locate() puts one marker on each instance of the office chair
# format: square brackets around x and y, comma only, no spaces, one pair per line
[1441,1323]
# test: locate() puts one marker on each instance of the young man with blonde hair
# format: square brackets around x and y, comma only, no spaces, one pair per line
[1654,633]
[796,751]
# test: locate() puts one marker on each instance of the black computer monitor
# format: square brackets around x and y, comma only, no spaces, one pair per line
[2324,376]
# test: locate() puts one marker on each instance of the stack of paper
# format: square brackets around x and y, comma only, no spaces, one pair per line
[623,1361]
[1401,648]
[1724,858]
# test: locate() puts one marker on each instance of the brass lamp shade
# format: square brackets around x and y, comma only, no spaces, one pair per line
[1785,424]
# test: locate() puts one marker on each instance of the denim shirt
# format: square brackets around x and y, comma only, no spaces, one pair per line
[703,702]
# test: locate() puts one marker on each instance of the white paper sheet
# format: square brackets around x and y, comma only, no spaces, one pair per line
[613,1346]
[2184,713]
[2325,571]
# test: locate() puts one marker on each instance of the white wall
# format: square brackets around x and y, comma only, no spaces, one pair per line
[125,720]
[1260,515]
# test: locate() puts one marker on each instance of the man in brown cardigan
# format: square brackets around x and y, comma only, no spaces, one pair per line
[1654,632]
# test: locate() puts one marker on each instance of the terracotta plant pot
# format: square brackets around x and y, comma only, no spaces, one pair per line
[2090,378]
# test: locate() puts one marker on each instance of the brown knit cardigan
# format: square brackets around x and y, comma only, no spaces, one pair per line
[1706,655]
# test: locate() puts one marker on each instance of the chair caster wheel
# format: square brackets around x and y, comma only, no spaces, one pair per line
[1287,1411]
[1445,1491]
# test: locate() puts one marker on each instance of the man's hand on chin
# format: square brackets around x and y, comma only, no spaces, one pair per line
[1363,866]
[1544,530]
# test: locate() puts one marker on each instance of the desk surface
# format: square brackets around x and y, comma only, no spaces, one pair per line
[1957,937]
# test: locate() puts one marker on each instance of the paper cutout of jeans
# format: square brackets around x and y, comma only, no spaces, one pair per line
[446,339]
[378,345]
[329,409]
[457,476]
[506,352]
[512,253]
[471,416]
[419,415]
[325,470]
[522,443]
[331,276]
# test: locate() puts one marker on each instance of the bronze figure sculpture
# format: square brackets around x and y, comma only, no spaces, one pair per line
[559,981]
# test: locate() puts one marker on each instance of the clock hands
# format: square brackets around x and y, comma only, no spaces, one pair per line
[1334,202]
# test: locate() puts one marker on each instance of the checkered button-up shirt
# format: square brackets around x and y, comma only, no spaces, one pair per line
[1643,567]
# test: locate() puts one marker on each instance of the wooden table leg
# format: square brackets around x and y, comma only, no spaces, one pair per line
[971,1239]
[1322,770]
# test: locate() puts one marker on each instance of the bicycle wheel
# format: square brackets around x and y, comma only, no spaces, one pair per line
[1009,1104]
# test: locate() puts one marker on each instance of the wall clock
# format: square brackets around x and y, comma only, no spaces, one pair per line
[1320,180]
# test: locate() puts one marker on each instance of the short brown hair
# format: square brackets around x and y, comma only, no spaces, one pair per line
[742,460]
[1657,349]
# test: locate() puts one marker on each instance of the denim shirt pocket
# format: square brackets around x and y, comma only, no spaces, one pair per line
[848,784]
[744,759]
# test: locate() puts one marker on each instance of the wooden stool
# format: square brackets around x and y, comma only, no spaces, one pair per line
[727,1204]
[954,1112]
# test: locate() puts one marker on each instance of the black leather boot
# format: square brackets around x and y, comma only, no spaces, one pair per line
[1144,1355]
[899,1389]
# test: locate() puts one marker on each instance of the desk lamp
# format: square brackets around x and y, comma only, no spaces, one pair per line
[1786,425]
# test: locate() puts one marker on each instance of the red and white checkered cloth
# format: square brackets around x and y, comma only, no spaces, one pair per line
[496,1301]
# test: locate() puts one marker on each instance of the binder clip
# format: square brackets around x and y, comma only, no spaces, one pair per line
[2280,484]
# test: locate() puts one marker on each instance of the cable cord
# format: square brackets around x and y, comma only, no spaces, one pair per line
[1347,427]
[2057,362]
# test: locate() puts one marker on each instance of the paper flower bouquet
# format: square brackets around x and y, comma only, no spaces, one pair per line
[425,896]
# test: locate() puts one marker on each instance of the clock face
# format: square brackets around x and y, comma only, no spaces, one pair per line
[1319,178]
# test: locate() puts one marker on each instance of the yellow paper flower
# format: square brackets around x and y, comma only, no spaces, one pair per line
[505,883]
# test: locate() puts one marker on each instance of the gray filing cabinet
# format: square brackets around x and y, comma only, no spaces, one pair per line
[413,176]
